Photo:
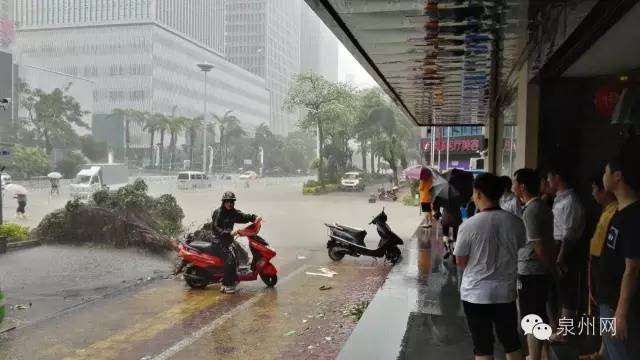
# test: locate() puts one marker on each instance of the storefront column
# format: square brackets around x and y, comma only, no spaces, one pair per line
[528,122]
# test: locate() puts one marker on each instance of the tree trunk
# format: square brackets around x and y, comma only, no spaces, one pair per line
[162,149]
[172,150]
[47,142]
[373,160]
[363,150]
[153,137]
[321,154]
[127,139]
[192,138]
[223,142]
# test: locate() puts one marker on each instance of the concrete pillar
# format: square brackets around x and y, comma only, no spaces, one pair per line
[528,122]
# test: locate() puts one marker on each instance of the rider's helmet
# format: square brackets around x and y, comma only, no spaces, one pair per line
[228,196]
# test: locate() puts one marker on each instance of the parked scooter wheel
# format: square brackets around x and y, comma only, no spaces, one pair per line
[193,279]
[336,254]
[393,255]
[269,280]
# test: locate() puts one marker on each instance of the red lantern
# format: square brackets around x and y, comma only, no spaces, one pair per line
[605,100]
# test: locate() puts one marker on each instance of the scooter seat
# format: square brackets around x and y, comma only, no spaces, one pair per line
[358,234]
[203,246]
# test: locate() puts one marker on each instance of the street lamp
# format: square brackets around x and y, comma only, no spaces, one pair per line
[205,68]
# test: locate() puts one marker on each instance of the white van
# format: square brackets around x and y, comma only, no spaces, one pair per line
[189,180]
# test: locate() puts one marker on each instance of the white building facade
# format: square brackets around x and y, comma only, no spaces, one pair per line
[263,36]
[142,55]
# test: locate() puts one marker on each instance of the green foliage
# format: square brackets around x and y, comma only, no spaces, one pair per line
[357,310]
[51,116]
[53,227]
[14,232]
[94,150]
[73,206]
[311,183]
[70,164]
[169,214]
[410,200]
[65,225]
[318,190]
[28,162]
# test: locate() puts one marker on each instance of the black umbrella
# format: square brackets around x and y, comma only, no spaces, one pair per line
[454,187]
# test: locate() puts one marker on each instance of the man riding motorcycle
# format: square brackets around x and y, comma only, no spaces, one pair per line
[222,222]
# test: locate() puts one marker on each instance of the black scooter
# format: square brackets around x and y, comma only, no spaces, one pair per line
[346,240]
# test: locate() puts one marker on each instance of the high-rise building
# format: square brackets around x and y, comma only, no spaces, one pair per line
[319,48]
[263,36]
[141,54]
[200,20]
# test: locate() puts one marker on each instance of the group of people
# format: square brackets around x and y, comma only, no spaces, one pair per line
[521,254]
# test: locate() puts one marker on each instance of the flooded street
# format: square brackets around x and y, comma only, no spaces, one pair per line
[97,303]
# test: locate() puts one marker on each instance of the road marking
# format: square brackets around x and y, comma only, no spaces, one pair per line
[189,340]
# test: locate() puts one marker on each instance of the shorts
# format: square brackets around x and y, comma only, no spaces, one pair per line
[533,293]
[568,286]
[483,318]
[21,207]
[426,207]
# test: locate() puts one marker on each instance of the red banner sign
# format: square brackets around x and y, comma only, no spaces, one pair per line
[456,145]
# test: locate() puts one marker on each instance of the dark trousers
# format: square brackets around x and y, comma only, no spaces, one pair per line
[445,231]
[230,267]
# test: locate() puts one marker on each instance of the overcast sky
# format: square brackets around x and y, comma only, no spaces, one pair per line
[350,69]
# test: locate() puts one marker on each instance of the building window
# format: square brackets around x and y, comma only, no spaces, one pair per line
[116,95]
[136,95]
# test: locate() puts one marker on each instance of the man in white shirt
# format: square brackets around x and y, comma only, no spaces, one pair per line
[568,228]
[509,201]
[487,250]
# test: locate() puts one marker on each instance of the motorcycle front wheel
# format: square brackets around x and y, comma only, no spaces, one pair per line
[269,280]
[393,255]
[336,254]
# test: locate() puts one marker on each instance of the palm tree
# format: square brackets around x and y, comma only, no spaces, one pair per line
[175,127]
[192,126]
[225,123]
[162,122]
[152,124]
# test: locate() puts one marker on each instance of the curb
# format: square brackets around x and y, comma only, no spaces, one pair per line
[23,245]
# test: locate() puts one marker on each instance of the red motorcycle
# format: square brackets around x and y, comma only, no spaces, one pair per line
[202,264]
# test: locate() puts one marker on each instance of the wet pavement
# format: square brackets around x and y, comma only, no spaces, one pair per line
[417,313]
[108,319]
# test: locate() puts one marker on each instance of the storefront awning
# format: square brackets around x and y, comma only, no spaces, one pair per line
[438,60]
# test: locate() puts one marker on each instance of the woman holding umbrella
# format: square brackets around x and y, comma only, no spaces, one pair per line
[426,183]
[20,194]
[54,178]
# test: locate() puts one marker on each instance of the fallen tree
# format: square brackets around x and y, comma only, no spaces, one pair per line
[128,217]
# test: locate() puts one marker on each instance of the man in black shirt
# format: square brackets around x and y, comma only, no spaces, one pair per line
[222,222]
[619,297]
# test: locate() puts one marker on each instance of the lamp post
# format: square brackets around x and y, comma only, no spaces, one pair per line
[205,68]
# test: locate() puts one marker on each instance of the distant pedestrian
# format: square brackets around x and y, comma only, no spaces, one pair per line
[22,206]
[487,250]
[619,285]
[568,229]
[536,258]
[426,183]
[509,201]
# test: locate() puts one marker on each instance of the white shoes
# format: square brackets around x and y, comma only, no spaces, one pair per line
[228,289]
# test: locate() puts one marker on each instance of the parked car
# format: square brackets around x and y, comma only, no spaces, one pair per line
[5,179]
[188,180]
[249,175]
[352,181]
